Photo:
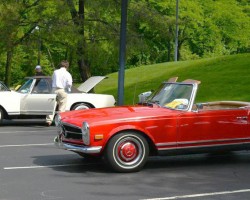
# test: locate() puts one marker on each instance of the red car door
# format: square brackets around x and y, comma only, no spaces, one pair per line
[213,127]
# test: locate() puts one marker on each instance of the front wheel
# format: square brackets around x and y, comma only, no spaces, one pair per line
[127,152]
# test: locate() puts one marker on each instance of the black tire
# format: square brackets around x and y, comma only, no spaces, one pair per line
[81,106]
[1,116]
[127,152]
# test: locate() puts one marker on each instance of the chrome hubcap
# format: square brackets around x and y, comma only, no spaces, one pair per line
[129,152]
[81,107]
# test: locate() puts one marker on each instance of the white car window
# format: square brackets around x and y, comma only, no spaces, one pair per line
[3,87]
[41,87]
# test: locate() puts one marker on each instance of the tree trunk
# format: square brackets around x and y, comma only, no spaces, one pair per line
[179,49]
[169,51]
[8,67]
[78,19]
[82,64]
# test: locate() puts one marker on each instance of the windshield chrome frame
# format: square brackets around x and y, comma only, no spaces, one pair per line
[193,95]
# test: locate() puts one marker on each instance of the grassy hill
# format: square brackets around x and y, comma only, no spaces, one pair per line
[222,78]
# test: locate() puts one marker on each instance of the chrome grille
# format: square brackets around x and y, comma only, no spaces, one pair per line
[71,132]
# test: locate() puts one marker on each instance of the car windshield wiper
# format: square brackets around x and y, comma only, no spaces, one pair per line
[153,102]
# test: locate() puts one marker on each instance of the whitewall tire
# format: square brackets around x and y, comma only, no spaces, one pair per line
[127,152]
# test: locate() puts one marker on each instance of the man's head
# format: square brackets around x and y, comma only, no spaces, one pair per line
[64,63]
[38,68]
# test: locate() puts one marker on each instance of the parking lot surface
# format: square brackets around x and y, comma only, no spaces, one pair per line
[32,168]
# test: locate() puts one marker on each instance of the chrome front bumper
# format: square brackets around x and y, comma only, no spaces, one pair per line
[75,148]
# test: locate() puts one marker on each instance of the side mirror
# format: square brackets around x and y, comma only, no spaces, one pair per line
[143,96]
[199,106]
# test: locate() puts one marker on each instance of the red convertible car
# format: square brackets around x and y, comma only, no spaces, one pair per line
[167,122]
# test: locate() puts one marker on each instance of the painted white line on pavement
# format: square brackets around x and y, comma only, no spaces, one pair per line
[49,166]
[201,195]
[26,145]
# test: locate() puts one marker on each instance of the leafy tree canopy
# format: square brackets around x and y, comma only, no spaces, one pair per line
[87,33]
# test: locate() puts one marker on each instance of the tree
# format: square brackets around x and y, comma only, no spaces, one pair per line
[13,17]
[78,19]
[87,33]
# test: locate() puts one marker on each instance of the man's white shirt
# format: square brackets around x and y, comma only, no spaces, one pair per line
[61,78]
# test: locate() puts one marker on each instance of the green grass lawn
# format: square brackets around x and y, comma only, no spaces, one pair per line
[222,78]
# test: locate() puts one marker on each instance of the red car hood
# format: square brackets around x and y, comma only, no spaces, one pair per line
[98,116]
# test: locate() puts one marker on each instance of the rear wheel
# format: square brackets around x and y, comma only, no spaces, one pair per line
[81,106]
[127,152]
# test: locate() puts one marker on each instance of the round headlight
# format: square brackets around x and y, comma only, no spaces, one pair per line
[85,133]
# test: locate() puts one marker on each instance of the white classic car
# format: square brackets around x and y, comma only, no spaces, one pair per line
[34,98]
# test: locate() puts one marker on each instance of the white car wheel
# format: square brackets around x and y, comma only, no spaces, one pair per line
[81,106]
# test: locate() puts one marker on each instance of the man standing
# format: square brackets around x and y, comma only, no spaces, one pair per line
[61,84]
[38,70]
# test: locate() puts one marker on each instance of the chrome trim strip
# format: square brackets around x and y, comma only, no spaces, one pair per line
[36,113]
[75,148]
[193,147]
[199,142]
[71,132]
[13,113]
[219,140]
[73,126]
[166,144]
[83,149]
[192,97]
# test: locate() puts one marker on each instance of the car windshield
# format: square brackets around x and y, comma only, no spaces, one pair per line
[172,95]
[25,88]
[3,87]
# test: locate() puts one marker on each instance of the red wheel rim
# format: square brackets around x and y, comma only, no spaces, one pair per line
[129,151]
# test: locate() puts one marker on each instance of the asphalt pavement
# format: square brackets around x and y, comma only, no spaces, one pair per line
[32,168]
